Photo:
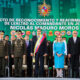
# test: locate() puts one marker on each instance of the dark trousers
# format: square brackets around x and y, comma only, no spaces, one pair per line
[50,64]
[8,63]
[11,60]
[18,66]
[39,65]
[75,65]
[29,66]
[2,67]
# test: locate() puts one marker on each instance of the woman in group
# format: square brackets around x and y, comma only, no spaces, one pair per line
[59,55]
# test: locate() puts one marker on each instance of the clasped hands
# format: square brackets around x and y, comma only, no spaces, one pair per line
[43,55]
[59,55]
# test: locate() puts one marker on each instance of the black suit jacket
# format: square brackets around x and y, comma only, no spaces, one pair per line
[43,47]
[28,49]
[74,48]
[8,52]
[9,48]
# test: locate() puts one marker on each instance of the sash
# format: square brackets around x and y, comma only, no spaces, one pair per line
[38,43]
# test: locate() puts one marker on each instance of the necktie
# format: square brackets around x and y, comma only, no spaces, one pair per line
[27,43]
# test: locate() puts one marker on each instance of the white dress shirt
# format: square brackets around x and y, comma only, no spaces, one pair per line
[74,38]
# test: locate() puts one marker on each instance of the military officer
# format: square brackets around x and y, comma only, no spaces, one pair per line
[18,53]
[3,54]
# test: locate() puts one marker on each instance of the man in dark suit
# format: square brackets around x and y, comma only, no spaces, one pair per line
[8,50]
[73,53]
[12,59]
[50,58]
[28,56]
[40,51]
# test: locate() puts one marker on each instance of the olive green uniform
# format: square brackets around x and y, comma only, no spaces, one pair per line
[18,48]
[2,57]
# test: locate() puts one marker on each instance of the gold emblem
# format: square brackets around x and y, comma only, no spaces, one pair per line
[16,43]
[44,9]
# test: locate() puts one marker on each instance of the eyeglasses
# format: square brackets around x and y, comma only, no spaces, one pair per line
[58,37]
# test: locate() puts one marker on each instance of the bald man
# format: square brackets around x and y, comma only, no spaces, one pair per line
[73,53]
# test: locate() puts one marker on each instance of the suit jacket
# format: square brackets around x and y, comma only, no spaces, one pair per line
[43,47]
[28,49]
[8,47]
[49,49]
[74,48]
[8,51]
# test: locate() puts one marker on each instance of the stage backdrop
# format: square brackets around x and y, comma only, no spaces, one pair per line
[52,16]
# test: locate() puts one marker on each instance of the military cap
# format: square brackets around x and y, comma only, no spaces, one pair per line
[18,31]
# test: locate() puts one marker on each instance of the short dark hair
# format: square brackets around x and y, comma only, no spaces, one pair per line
[19,31]
[2,31]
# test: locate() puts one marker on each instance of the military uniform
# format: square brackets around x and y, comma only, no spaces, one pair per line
[2,57]
[18,48]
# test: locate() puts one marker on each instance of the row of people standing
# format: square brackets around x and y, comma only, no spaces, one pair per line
[16,50]
[13,52]
[19,48]
[72,48]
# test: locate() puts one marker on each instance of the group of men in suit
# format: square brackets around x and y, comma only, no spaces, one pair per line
[18,48]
